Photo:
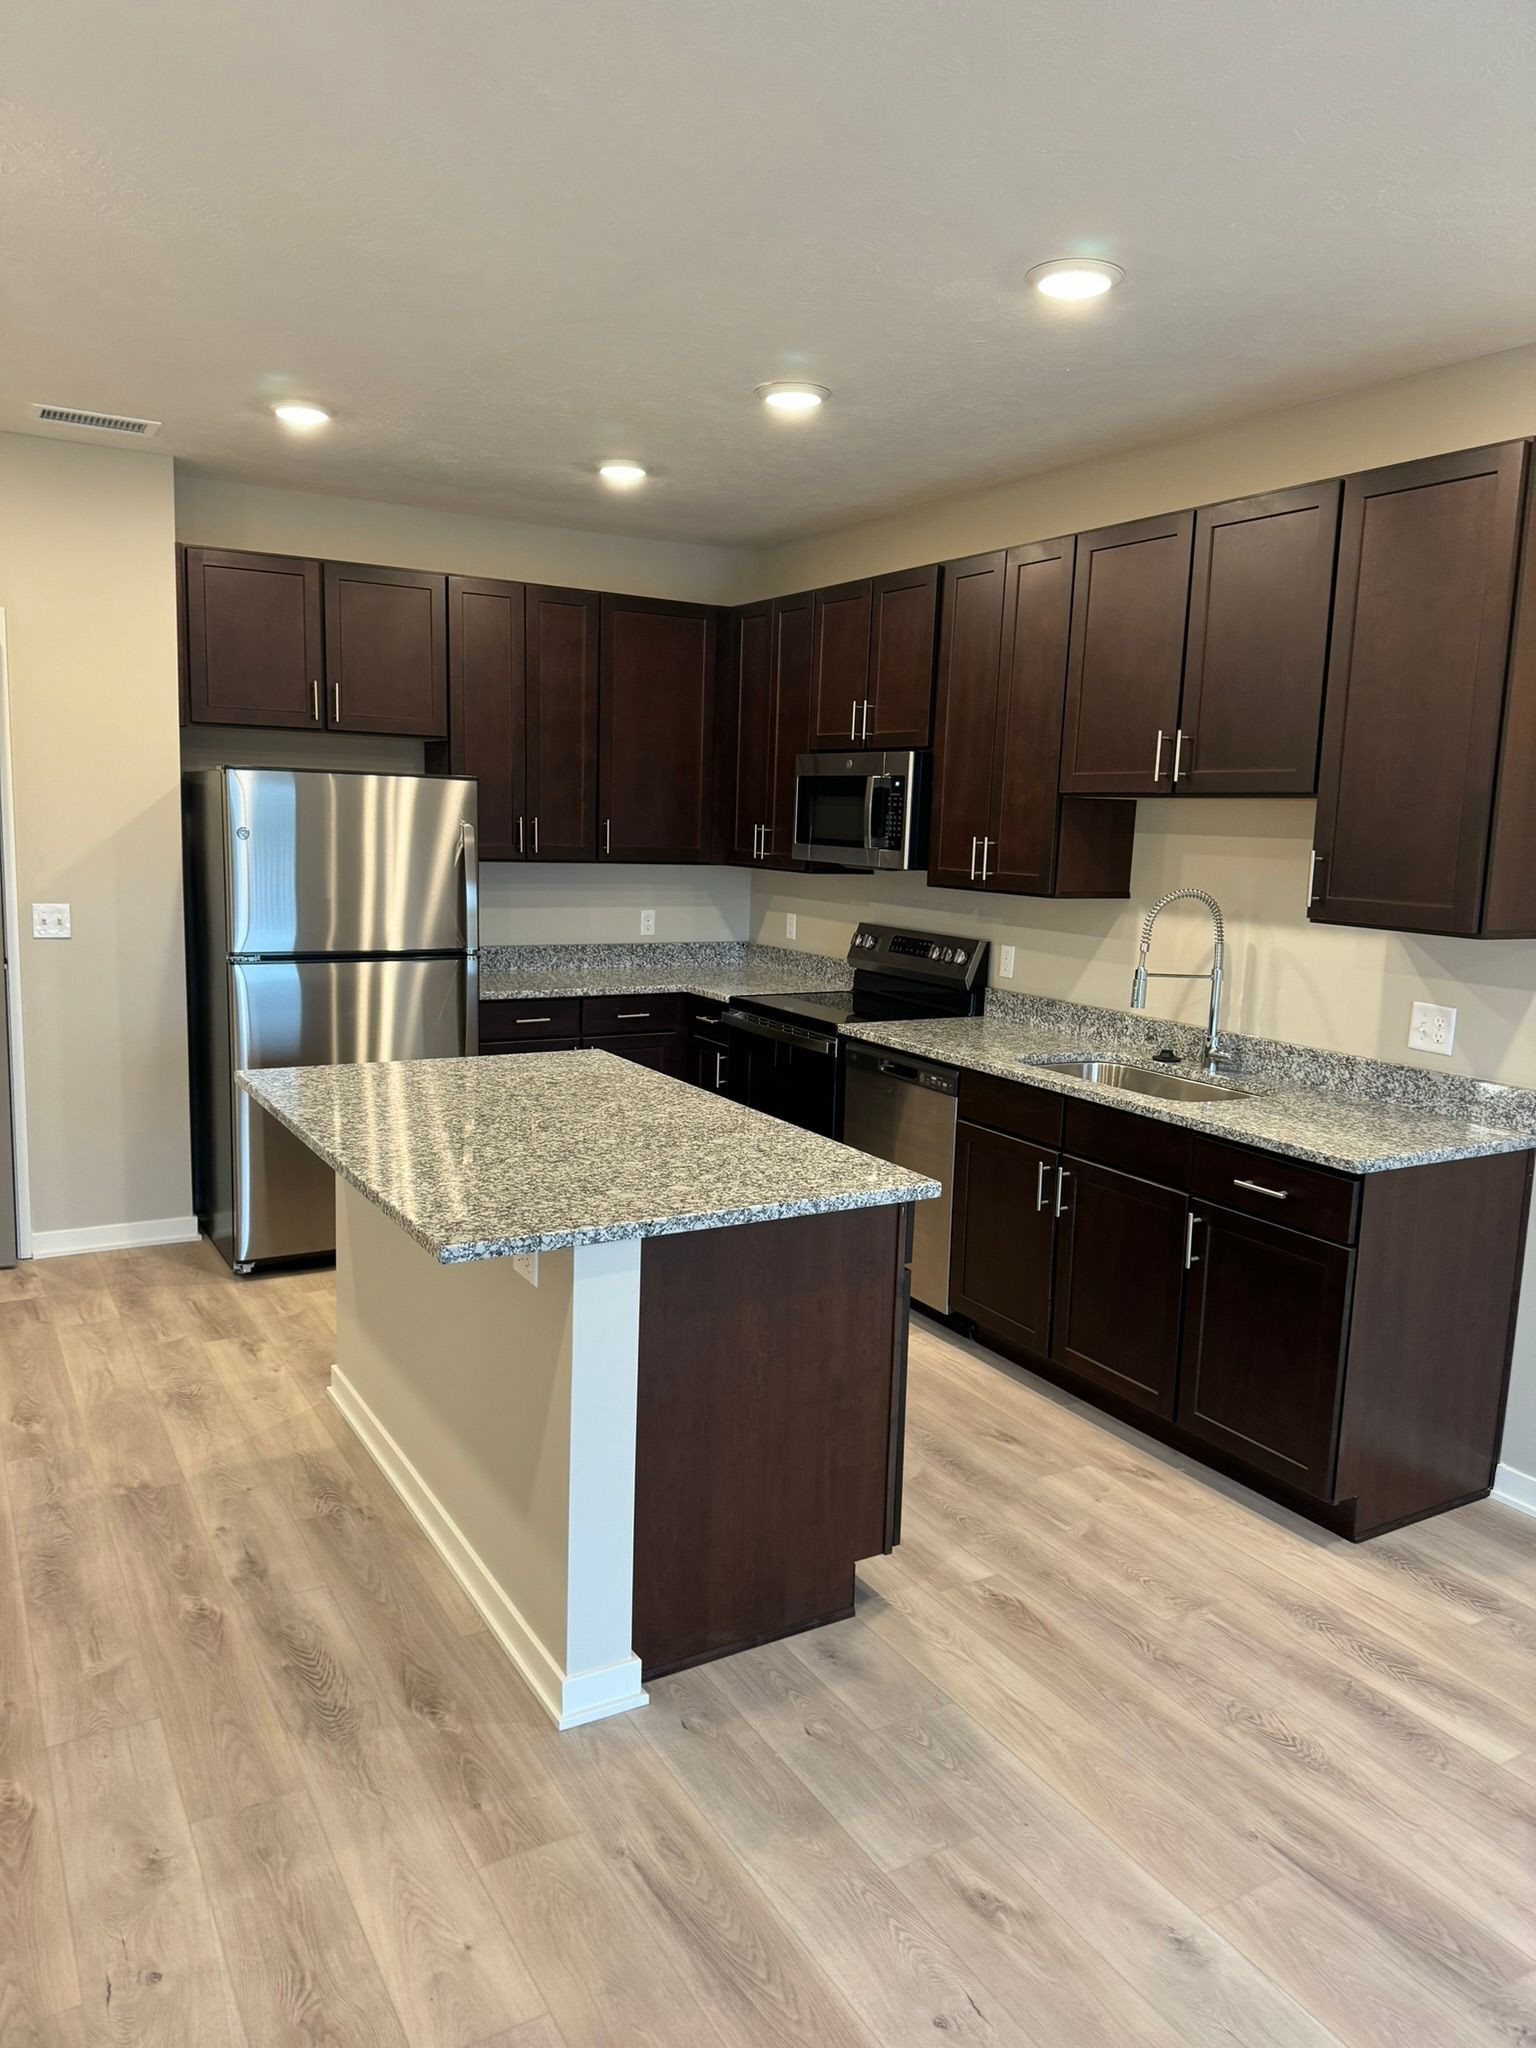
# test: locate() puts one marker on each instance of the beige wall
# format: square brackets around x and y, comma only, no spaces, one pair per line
[86,580]
[1346,990]
[545,905]
[232,515]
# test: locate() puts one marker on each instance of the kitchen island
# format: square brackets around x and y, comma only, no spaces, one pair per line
[633,1356]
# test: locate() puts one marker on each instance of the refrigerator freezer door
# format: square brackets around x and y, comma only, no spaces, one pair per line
[336,864]
[308,1013]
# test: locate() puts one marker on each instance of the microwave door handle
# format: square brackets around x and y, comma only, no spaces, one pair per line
[869,812]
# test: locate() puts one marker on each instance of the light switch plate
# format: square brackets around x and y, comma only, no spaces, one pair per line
[1432,1029]
[647,923]
[789,924]
[50,920]
[1005,962]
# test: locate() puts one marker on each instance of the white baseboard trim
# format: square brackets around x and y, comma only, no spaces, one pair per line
[570,1698]
[1515,1489]
[113,1237]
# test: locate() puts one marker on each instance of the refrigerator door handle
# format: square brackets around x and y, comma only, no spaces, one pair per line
[469,855]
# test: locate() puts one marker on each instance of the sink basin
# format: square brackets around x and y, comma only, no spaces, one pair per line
[1141,1080]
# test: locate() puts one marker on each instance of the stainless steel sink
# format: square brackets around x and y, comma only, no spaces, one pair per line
[1139,1080]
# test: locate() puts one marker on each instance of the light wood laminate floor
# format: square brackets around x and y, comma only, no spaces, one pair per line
[1112,1756]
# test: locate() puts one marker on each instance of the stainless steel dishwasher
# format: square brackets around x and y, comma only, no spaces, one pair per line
[905,1110]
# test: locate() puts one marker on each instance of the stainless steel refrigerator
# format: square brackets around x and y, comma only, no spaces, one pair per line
[332,919]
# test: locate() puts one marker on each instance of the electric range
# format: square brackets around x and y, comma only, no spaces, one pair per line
[786,1053]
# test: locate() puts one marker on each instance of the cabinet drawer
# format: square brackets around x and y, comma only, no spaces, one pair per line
[602,1016]
[706,1016]
[511,1045]
[503,1022]
[1280,1190]
[1012,1106]
[1131,1144]
[666,1051]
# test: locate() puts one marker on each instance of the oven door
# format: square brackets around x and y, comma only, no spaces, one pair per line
[795,1078]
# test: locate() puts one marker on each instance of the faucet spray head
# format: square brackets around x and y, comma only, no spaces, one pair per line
[1139,985]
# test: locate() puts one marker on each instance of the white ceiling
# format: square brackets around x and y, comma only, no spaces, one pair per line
[503,238]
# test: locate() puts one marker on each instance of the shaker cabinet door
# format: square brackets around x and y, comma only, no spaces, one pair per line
[1421,635]
[1260,598]
[1004,1232]
[560,642]
[386,650]
[1120,1248]
[902,621]
[1026,750]
[487,707]
[966,720]
[748,718]
[1129,602]
[840,664]
[254,652]
[793,620]
[656,730]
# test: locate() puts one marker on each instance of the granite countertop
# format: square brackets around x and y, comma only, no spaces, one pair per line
[481,1159]
[1354,1115]
[714,969]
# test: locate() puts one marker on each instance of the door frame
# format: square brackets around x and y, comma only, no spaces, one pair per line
[10,926]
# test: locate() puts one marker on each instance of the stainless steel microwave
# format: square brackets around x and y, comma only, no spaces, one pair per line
[866,810]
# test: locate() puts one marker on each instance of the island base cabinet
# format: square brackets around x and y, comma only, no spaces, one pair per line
[1266,1314]
[767,1458]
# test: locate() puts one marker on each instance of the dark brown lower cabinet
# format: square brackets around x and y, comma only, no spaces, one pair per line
[1119,1283]
[1261,1365]
[1005,1230]
[530,1045]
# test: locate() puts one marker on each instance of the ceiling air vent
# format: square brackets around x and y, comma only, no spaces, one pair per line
[101,422]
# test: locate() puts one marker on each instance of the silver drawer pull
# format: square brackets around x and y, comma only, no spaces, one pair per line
[1191,1256]
[1256,1188]
[1062,1178]
[535,1020]
[1040,1174]
[630,1016]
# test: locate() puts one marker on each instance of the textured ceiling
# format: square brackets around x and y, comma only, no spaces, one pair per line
[503,238]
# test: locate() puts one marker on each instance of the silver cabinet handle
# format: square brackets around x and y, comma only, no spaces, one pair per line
[535,837]
[1312,890]
[767,835]
[986,855]
[1040,1173]
[864,726]
[1178,755]
[314,699]
[1062,1177]
[1255,1187]
[853,720]
[335,703]
[975,842]
[719,1070]
[607,835]
[1190,1258]
[535,1020]
[1157,759]
[520,835]
[630,1016]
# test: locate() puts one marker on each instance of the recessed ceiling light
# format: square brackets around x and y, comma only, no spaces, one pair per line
[622,475]
[1074,277]
[788,396]
[294,414]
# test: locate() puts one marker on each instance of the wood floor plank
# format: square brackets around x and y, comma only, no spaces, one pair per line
[901,1978]
[198,1416]
[151,1968]
[37,1957]
[40,1433]
[224,1731]
[125,1439]
[87,1659]
[299,1964]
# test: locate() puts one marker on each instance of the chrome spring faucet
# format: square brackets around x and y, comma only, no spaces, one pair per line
[1214,1056]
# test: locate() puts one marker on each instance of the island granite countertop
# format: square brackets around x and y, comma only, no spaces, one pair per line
[717,970]
[484,1159]
[1331,1109]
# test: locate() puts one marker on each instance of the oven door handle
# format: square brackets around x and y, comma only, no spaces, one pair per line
[758,1027]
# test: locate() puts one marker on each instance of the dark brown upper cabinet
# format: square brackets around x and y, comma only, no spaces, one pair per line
[254,651]
[873,661]
[998,822]
[1129,604]
[656,730]
[793,621]
[561,634]
[1257,651]
[1417,712]
[747,668]
[386,650]
[488,708]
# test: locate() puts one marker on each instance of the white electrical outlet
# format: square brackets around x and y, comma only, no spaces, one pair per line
[647,923]
[1433,1028]
[50,920]
[789,924]
[1005,962]
[527,1263]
